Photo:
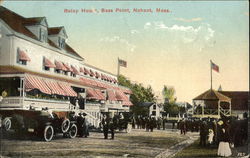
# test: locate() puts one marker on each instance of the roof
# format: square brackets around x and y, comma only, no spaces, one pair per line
[19,23]
[212,95]
[147,104]
[33,20]
[239,99]
[54,30]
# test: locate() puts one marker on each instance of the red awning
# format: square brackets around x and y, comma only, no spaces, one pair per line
[60,66]
[100,94]
[91,94]
[75,71]
[33,82]
[127,103]
[48,63]
[97,75]
[81,70]
[23,56]
[92,73]
[86,71]
[67,89]
[111,95]
[68,68]
[121,96]
[55,88]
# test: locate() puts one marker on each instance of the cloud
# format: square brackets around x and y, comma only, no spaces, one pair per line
[189,20]
[147,25]
[134,31]
[198,37]
[131,47]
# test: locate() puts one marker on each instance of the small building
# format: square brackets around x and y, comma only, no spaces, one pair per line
[153,109]
[239,102]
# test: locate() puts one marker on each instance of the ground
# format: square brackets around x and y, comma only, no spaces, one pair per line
[138,143]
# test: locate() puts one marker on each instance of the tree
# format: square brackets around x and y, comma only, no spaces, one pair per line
[168,94]
[140,94]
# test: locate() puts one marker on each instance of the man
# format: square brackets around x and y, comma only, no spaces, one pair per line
[105,122]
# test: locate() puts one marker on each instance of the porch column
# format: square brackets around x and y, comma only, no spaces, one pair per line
[202,110]
[219,108]
[230,112]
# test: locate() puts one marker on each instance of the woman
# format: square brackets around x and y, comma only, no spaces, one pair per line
[224,148]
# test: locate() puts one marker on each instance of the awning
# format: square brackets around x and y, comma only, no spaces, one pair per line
[97,75]
[100,94]
[68,68]
[75,71]
[127,103]
[67,89]
[60,66]
[48,63]
[111,95]
[121,96]
[23,56]
[33,82]
[81,70]
[92,73]
[55,88]
[91,94]
[86,71]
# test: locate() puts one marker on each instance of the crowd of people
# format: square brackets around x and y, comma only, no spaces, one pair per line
[224,133]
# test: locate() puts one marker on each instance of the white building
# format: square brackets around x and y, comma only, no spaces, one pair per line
[43,70]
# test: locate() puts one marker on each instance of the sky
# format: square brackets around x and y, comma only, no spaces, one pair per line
[172,48]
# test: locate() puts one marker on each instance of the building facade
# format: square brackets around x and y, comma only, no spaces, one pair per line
[38,68]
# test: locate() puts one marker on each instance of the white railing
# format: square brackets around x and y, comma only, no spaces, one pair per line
[11,102]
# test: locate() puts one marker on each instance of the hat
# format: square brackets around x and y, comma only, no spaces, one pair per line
[220,122]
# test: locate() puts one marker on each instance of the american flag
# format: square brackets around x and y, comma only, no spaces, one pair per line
[214,67]
[122,63]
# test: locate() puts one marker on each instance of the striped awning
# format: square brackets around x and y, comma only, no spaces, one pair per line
[97,75]
[81,70]
[33,82]
[48,63]
[67,88]
[111,95]
[48,86]
[86,71]
[91,94]
[60,66]
[68,68]
[127,103]
[55,88]
[23,56]
[75,71]
[91,73]
[100,94]
[121,96]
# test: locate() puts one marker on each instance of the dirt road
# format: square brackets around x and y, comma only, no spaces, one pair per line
[138,143]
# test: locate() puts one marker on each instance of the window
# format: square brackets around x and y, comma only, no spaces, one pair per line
[22,57]
[61,42]
[43,35]
[154,113]
[154,107]
[46,68]
[72,74]
[57,71]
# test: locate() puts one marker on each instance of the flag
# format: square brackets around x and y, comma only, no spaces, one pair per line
[122,63]
[214,67]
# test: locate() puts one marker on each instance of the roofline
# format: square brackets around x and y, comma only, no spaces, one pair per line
[100,69]
[27,38]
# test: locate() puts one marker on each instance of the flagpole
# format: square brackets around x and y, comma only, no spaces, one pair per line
[118,68]
[211,74]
